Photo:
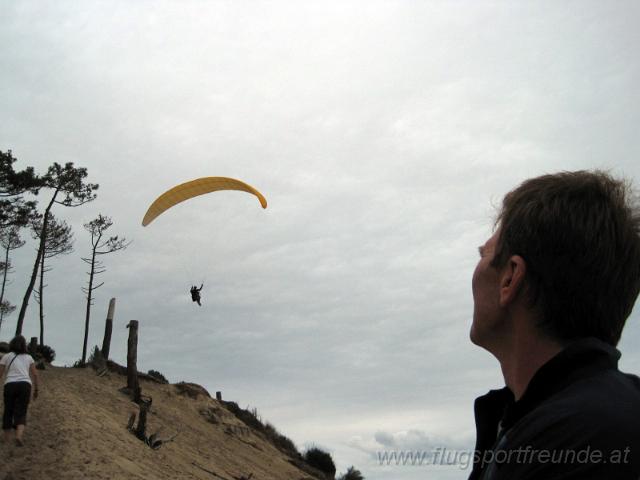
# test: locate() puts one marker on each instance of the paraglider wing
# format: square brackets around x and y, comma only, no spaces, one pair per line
[191,189]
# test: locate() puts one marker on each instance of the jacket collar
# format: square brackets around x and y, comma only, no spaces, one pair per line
[578,359]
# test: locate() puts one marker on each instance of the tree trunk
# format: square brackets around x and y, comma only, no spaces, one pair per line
[132,357]
[42,300]
[4,280]
[108,327]
[89,292]
[34,273]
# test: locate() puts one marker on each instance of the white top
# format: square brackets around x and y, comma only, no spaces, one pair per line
[19,371]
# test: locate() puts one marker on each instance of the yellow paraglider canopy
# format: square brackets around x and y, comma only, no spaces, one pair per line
[196,187]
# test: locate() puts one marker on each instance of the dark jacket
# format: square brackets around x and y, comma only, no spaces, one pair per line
[579,418]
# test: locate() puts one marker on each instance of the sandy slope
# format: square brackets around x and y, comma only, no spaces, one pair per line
[77,430]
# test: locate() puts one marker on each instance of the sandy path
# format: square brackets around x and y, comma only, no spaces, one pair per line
[77,430]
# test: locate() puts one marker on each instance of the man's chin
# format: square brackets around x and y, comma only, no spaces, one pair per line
[473,336]
[478,337]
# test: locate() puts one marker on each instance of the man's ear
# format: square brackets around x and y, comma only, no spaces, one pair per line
[512,279]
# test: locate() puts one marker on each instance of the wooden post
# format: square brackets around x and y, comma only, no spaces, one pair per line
[141,429]
[108,327]
[132,358]
[219,396]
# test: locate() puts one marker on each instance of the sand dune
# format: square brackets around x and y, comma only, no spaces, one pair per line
[77,429]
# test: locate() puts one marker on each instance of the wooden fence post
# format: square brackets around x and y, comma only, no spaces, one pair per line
[132,359]
[141,429]
[108,327]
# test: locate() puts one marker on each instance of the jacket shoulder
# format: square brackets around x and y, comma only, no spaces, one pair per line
[600,414]
[606,402]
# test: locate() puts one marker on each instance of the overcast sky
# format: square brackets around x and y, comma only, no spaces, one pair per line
[383,135]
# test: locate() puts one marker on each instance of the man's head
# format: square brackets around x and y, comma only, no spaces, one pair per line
[578,236]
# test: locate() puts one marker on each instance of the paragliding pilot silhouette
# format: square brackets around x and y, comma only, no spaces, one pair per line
[195,294]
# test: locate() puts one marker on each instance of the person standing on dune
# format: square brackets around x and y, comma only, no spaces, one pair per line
[20,382]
